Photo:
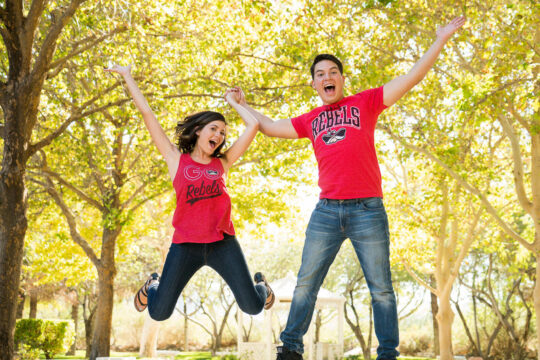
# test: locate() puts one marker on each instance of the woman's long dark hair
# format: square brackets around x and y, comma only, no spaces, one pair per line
[186,131]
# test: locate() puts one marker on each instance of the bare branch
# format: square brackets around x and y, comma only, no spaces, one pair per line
[483,198]
[518,165]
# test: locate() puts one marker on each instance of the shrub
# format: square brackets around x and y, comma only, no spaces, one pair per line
[27,353]
[49,336]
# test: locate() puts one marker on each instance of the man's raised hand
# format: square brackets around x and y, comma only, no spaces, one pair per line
[445,32]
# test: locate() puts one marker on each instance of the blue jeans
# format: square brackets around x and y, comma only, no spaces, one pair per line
[364,221]
[183,260]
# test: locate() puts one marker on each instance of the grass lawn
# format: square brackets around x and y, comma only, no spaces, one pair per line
[202,355]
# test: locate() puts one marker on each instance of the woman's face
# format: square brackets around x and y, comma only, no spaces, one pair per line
[211,136]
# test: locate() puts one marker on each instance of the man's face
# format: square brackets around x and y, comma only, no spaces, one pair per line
[328,82]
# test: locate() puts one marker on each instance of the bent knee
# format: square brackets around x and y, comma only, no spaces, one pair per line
[159,314]
[251,309]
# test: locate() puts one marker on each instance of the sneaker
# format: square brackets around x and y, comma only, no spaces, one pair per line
[141,297]
[259,278]
[285,354]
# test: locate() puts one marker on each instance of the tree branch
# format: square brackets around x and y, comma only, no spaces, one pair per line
[490,209]
[518,165]
[464,249]
[3,15]
[48,46]
[501,88]
[264,158]
[32,19]
[77,238]
[135,207]
[59,64]
[92,165]
[193,95]
[13,11]
[512,110]
[74,117]
[417,278]
[73,188]
[467,331]
[133,195]
[263,59]
[441,233]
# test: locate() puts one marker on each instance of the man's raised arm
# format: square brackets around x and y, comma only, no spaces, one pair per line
[396,88]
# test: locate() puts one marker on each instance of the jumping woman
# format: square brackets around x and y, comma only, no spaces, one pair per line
[203,230]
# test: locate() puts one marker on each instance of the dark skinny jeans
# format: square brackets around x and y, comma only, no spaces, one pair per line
[183,260]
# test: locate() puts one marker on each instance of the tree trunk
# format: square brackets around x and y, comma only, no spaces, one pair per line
[20,305]
[13,225]
[33,304]
[318,324]
[19,98]
[89,325]
[103,327]
[536,297]
[434,312]
[445,317]
[149,338]
[75,317]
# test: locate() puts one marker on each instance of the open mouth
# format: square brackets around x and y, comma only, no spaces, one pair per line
[329,88]
[213,144]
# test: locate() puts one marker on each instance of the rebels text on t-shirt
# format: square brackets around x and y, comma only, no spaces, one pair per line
[342,135]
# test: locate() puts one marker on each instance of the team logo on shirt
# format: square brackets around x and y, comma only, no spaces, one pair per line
[192,172]
[333,136]
[343,116]
[204,190]
[212,174]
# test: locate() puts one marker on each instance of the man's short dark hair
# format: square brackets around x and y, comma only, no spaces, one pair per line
[322,57]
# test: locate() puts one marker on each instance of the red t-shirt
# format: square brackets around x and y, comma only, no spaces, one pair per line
[342,135]
[203,206]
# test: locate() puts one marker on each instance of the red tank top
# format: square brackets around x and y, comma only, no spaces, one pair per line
[203,206]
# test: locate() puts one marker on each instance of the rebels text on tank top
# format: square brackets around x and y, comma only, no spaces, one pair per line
[203,206]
